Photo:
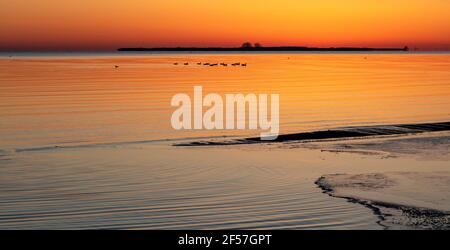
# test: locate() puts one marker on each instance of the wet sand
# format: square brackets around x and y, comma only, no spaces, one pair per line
[402,200]
[338,133]
[417,200]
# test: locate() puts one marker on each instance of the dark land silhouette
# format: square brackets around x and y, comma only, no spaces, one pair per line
[246,47]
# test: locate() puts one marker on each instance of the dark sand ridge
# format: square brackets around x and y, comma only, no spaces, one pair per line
[338,133]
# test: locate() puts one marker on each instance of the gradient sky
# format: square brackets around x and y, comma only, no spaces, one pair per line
[108,24]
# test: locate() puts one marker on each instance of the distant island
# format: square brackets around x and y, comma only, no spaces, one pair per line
[248,47]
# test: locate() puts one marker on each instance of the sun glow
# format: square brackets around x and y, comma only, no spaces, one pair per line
[105,25]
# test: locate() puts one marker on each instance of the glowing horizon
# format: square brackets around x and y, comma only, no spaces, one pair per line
[102,25]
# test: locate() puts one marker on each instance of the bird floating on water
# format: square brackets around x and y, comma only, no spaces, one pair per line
[212,64]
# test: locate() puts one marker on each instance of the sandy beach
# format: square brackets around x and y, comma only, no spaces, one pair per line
[406,199]
[399,197]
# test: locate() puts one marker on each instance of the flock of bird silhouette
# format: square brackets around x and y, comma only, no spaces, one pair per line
[208,64]
[217,64]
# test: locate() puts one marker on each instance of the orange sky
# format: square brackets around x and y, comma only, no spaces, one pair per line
[108,24]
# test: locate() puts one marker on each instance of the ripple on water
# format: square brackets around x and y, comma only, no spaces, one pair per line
[129,189]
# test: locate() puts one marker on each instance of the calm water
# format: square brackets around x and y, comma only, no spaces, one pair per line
[110,168]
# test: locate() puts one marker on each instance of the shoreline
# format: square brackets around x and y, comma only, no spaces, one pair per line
[377,190]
